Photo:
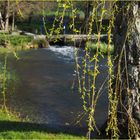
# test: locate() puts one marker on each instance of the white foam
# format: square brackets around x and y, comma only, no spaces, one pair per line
[65,52]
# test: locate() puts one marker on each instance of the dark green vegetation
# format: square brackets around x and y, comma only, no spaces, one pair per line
[12,127]
[14,40]
[103,47]
[36,25]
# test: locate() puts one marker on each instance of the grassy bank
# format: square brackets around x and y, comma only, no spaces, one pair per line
[11,43]
[12,127]
[14,40]
[103,48]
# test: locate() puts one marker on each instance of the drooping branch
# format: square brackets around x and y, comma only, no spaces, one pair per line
[127,65]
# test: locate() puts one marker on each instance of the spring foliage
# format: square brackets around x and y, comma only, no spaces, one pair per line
[87,77]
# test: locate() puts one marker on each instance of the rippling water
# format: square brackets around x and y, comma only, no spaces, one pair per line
[66,52]
[44,93]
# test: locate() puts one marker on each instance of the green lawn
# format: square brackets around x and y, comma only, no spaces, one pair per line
[34,135]
[12,127]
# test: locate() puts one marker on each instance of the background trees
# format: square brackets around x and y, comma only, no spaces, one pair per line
[22,10]
[4,15]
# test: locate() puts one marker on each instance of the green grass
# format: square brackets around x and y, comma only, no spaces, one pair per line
[13,50]
[12,43]
[14,40]
[11,127]
[35,135]
[92,46]
[8,116]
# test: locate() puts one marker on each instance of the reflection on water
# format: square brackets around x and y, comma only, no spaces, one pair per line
[44,93]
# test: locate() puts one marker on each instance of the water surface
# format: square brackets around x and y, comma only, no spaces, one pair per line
[44,93]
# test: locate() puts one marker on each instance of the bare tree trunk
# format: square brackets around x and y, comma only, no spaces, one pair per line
[1,22]
[13,21]
[87,14]
[85,24]
[127,65]
[7,15]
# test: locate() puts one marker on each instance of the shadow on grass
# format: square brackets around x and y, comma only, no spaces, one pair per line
[27,126]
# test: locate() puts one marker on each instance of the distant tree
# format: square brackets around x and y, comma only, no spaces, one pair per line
[20,10]
[4,15]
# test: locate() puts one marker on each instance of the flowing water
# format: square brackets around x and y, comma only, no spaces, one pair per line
[45,93]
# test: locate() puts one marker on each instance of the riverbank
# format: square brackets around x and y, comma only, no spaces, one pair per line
[16,41]
[40,71]
[13,127]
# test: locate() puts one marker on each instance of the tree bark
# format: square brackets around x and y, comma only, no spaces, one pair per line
[87,14]
[7,15]
[85,25]
[13,21]
[127,65]
[1,22]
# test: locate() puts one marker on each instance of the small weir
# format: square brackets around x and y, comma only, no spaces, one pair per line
[78,40]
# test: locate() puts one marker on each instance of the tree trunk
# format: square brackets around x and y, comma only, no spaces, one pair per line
[7,15]
[13,21]
[85,25]
[127,66]
[87,14]
[4,16]
[1,22]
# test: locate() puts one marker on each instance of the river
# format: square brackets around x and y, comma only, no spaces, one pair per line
[44,93]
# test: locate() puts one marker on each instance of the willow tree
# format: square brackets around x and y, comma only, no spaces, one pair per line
[123,70]
[126,94]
